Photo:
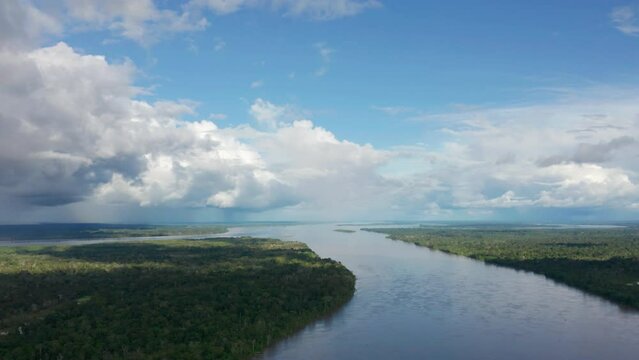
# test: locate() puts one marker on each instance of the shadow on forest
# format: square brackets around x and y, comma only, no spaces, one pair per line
[189,252]
[224,298]
[101,231]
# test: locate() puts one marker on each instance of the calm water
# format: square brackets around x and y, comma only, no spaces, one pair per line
[413,303]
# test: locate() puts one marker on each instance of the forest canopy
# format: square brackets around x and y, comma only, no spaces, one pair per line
[225,298]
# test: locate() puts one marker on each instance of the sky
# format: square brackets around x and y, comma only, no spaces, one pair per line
[325,110]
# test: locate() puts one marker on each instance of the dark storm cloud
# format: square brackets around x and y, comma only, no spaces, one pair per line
[590,153]
[601,152]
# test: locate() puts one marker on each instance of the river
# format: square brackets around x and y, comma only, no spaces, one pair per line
[414,303]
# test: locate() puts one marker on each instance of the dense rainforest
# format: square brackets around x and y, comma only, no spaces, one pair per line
[604,262]
[225,298]
[100,231]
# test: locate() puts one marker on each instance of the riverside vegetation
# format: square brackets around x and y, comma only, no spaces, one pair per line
[226,298]
[604,262]
[100,231]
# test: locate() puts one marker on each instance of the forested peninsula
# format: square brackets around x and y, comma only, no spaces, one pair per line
[225,298]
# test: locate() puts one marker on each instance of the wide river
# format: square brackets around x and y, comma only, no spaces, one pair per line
[414,303]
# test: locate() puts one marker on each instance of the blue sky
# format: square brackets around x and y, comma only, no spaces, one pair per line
[428,56]
[460,109]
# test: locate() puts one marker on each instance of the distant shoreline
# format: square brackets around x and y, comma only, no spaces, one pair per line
[600,261]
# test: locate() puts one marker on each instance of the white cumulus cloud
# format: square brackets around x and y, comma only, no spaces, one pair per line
[73,131]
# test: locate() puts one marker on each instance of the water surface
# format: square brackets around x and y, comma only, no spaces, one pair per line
[414,303]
